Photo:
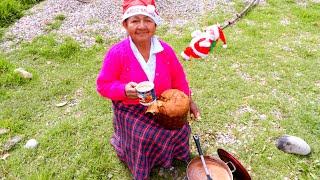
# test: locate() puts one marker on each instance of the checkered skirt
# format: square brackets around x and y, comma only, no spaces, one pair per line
[141,143]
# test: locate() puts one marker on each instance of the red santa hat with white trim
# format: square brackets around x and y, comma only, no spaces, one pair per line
[221,36]
[218,34]
[143,7]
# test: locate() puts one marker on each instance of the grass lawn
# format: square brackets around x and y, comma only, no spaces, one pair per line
[265,84]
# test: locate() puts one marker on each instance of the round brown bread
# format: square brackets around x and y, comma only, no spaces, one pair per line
[171,109]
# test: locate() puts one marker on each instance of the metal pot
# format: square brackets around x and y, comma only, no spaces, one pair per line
[218,169]
[209,167]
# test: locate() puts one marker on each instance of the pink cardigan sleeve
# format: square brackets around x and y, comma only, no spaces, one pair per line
[108,84]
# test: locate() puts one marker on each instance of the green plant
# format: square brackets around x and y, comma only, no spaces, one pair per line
[310,169]
[11,10]
[265,84]
[99,39]
[58,21]
[60,17]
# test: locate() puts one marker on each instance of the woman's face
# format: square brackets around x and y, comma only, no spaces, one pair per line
[140,28]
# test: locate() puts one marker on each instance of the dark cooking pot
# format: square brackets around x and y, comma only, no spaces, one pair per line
[225,168]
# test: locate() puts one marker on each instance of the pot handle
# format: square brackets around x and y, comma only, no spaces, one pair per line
[196,139]
[233,166]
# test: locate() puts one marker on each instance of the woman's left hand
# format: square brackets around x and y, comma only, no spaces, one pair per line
[194,111]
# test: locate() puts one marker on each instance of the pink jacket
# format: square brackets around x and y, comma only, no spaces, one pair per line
[120,67]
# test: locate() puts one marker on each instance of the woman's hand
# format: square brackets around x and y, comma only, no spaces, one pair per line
[194,111]
[130,90]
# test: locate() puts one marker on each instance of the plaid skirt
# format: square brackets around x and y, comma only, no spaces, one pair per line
[141,143]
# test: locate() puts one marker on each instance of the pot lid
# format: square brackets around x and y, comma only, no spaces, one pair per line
[240,173]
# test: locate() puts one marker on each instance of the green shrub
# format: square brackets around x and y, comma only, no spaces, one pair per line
[99,39]
[11,10]
[60,17]
[54,25]
[7,75]
[68,48]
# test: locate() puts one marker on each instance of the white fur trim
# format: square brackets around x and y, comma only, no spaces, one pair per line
[195,33]
[184,56]
[208,33]
[216,32]
[143,10]
[225,46]
[204,44]
[193,41]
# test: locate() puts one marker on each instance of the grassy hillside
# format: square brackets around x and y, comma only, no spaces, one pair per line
[265,84]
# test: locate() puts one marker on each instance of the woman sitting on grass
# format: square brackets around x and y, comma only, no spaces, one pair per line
[140,142]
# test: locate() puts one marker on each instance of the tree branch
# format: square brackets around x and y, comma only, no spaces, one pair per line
[238,16]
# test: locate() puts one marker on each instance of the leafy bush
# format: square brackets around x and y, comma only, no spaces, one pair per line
[11,10]
[68,48]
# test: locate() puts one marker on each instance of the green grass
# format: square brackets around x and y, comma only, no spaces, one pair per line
[12,10]
[265,84]
[54,25]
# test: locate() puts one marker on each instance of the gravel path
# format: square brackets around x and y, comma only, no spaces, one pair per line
[85,21]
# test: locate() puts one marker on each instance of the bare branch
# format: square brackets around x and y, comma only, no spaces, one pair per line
[238,16]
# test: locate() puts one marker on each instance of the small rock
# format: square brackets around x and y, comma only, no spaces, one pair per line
[32,143]
[12,142]
[24,73]
[110,176]
[161,172]
[61,104]
[293,144]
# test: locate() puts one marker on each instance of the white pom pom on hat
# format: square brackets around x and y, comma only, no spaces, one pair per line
[151,8]
[140,7]
[222,37]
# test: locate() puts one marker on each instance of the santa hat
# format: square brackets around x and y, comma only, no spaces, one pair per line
[143,7]
[218,33]
[223,39]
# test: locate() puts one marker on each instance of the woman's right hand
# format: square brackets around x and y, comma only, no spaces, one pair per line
[130,90]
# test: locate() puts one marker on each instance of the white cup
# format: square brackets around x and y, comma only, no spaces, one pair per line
[146,93]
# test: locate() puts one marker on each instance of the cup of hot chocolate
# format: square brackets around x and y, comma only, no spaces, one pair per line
[146,93]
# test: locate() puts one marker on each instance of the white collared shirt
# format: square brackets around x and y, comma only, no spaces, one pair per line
[148,67]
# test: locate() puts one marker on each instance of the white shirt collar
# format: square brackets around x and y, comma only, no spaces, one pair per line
[155,45]
[148,67]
